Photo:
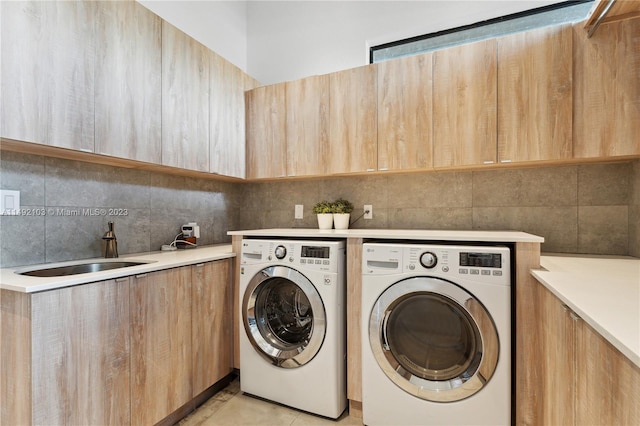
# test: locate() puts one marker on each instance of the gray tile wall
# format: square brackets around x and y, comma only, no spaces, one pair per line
[590,208]
[156,206]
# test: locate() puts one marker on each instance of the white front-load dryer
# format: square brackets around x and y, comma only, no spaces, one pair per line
[293,319]
[436,335]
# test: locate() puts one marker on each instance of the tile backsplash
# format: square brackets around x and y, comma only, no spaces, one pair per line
[78,199]
[589,208]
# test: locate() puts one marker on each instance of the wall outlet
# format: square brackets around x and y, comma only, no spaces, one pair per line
[368,211]
[9,202]
[299,211]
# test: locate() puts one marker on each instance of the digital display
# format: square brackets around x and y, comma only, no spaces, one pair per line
[482,260]
[315,252]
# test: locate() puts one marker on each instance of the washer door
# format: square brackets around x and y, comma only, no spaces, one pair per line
[433,339]
[283,316]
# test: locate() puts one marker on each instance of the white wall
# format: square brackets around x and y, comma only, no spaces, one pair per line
[288,40]
[219,25]
[277,41]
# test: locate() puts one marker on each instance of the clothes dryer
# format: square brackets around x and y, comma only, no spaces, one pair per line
[436,335]
[293,319]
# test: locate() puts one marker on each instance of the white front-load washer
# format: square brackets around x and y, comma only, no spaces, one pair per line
[293,319]
[436,334]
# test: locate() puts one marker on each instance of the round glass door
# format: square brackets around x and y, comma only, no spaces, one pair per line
[433,339]
[284,317]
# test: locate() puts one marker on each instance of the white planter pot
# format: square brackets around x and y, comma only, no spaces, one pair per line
[325,220]
[341,220]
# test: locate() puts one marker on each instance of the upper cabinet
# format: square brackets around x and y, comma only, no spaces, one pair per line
[128,86]
[353,120]
[266,127]
[48,51]
[464,108]
[405,113]
[534,95]
[185,101]
[607,90]
[227,120]
[307,126]
[607,11]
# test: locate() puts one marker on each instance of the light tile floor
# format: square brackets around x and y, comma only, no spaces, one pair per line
[230,407]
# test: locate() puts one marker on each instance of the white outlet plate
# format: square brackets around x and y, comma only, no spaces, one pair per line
[299,212]
[368,208]
[9,202]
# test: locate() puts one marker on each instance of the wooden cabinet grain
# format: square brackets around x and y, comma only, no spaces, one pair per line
[211,324]
[266,127]
[47,76]
[128,84]
[161,364]
[607,90]
[353,120]
[574,377]
[69,357]
[307,126]
[185,101]
[404,113]
[535,95]
[227,119]
[464,110]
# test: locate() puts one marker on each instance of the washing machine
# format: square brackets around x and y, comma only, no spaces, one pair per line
[293,323]
[436,333]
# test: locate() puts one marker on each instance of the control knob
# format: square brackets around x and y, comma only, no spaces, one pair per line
[428,259]
[280,252]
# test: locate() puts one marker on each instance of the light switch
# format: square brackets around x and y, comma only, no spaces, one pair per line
[9,202]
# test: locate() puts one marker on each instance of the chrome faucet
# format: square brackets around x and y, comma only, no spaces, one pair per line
[111,249]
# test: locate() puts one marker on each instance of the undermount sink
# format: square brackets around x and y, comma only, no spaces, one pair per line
[78,268]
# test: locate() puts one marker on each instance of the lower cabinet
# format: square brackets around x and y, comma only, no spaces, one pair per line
[579,378]
[125,351]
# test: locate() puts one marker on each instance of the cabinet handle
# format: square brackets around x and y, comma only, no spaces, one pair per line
[371,170]
[141,276]
[505,161]
[574,316]
[199,265]
[86,150]
[291,175]
[487,162]
[121,280]
[383,169]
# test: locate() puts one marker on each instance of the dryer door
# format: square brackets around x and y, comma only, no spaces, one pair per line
[433,339]
[283,316]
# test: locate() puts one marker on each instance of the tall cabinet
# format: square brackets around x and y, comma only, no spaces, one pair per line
[48,72]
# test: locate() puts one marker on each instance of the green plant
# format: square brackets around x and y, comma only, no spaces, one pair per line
[323,207]
[342,206]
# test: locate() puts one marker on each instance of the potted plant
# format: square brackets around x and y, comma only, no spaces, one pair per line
[342,213]
[324,211]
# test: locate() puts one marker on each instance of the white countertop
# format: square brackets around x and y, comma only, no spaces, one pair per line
[158,260]
[405,234]
[603,290]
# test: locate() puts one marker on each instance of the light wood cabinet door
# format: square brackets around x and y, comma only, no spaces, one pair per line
[185,100]
[404,113]
[607,382]
[161,374]
[211,324]
[128,84]
[81,354]
[464,110]
[353,120]
[607,90]
[307,126]
[535,95]
[47,75]
[266,127]
[227,121]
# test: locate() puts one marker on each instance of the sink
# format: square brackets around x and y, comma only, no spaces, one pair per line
[78,268]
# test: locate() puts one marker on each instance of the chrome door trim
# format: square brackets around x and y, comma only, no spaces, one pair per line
[297,356]
[483,363]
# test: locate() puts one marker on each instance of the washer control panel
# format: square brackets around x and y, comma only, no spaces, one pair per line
[484,263]
[326,256]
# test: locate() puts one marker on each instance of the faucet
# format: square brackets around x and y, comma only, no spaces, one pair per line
[111,249]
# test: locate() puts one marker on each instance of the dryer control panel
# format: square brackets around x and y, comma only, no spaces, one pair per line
[328,256]
[491,264]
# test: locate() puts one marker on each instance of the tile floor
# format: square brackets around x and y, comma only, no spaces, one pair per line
[230,407]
